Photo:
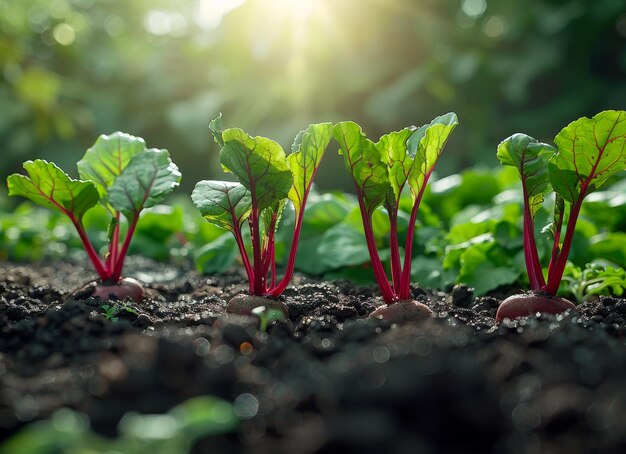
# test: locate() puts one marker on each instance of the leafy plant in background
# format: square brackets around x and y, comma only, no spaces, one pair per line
[267,179]
[380,172]
[596,279]
[118,172]
[589,152]
[173,432]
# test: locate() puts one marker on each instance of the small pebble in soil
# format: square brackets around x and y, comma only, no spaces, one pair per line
[403,312]
[461,295]
[243,304]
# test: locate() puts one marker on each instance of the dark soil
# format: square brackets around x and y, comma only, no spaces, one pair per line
[328,380]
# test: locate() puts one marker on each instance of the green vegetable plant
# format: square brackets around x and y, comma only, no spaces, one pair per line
[588,152]
[266,316]
[121,174]
[111,311]
[594,280]
[267,179]
[381,171]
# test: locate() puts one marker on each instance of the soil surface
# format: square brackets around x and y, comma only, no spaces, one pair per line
[328,379]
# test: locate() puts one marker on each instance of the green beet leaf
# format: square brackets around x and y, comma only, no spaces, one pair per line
[530,158]
[363,162]
[393,152]
[217,128]
[47,185]
[425,146]
[260,164]
[107,159]
[590,151]
[147,179]
[222,203]
[306,155]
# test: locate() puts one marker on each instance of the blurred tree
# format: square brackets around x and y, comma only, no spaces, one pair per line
[72,69]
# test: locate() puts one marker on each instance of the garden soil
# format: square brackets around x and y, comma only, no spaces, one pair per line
[327,380]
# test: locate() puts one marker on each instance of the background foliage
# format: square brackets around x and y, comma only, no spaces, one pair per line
[72,69]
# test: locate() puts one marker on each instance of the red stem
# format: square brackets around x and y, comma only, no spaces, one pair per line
[291,263]
[529,246]
[396,270]
[119,262]
[293,251]
[243,253]
[405,290]
[531,256]
[258,286]
[273,264]
[268,246]
[91,252]
[555,248]
[379,272]
[114,244]
[554,279]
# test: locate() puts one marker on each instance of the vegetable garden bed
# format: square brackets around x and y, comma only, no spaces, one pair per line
[228,359]
[328,379]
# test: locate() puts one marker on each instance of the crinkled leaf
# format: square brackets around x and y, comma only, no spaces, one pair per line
[149,177]
[217,128]
[275,209]
[222,203]
[393,152]
[258,163]
[107,159]
[529,157]
[47,185]
[426,145]
[306,155]
[363,162]
[590,151]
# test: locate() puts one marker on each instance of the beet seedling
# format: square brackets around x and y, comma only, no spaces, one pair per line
[121,174]
[381,171]
[588,152]
[267,179]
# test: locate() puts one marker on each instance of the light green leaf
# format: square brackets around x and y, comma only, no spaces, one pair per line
[47,185]
[149,177]
[306,155]
[484,268]
[530,158]
[222,203]
[217,128]
[363,162]
[343,246]
[426,145]
[217,255]
[393,152]
[590,151]
[107,159]
[259,164]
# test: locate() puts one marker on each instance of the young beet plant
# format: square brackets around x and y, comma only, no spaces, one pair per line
[121,174]
[588,152]
[381,171]
[267,179]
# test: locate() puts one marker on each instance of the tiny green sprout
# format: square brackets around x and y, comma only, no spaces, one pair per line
[266,316]
[109,311]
